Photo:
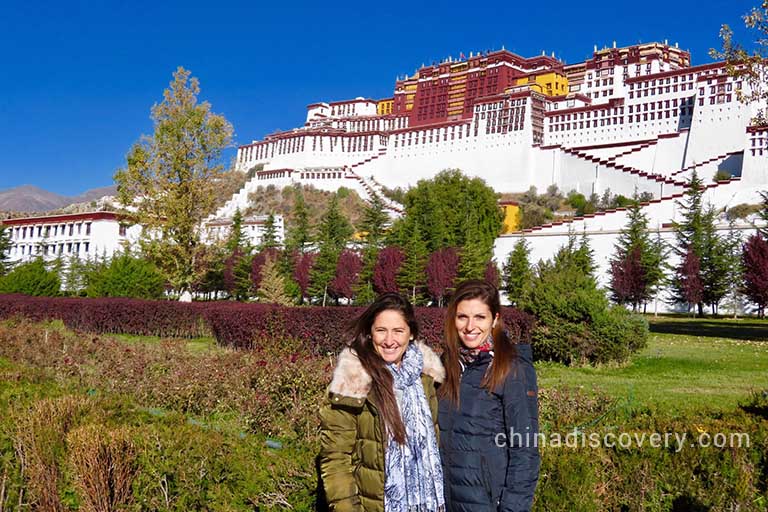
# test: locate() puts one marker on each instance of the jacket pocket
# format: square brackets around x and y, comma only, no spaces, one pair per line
[485,475]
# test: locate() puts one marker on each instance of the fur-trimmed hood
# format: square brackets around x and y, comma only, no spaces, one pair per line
[350,379]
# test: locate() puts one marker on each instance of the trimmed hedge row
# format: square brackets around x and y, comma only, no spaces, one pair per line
[110,315]
[233,324]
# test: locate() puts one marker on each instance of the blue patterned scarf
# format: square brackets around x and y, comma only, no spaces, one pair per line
[414,476]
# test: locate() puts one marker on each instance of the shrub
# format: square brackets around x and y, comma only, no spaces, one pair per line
[31,278]
[110,315]
[233,324]
[104,466]
[126,276]
[40,439]
[575,321]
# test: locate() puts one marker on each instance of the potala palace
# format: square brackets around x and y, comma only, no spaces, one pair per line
[632,118]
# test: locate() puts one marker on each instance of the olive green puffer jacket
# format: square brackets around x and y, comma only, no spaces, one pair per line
[352,442]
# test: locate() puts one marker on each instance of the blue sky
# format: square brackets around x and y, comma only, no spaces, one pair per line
[78,78]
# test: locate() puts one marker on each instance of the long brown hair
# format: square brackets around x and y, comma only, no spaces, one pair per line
[503,348]
[382,390]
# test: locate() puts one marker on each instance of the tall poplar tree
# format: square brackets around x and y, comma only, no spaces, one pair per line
[170,178]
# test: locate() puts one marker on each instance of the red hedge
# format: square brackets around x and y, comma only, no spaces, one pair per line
[233,324]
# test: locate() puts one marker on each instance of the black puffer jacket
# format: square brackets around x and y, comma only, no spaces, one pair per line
[486,468]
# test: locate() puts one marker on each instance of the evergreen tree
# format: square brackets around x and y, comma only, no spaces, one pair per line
[373,228]
[585,257]
[269,236]
[299,235]
[412,272]
[237,274]
[237,238]
[636,278]
[696,233]
[734,297]
[5,247]
[715,262]
[31,278]
[74,275]
[442,206]
[476,252]
[332,235]
[272,286]
[517,272]
[126,275]
[755,264]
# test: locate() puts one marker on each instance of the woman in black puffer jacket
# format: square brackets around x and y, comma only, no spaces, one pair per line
[488,410]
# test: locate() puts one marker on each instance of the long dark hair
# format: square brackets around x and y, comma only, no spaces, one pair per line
[503,348]
[382,391]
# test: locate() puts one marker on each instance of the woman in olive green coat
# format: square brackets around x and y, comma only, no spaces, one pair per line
[379,433]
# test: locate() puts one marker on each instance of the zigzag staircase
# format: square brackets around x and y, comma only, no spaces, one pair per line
[643,204]
[658,178]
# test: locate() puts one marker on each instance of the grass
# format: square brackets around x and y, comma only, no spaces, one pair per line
[741,329]
[677,373]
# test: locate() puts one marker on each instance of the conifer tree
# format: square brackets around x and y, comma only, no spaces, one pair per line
[636,269]
[517,272]
[299,235]
[237,274]
[715,262]
[5,246]
[373,228]
[696,232]
[272,287]
[333,234]
[734,296]
[269,236]
[475,253]
[412,272]
[237,236]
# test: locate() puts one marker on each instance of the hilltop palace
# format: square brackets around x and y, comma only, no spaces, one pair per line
[632,118]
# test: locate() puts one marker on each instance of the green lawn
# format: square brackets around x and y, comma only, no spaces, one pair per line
[677,373]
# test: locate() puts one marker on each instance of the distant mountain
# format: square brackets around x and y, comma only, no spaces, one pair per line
[29,198]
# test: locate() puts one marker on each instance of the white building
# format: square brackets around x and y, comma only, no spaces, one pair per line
[83,235]
[253,228]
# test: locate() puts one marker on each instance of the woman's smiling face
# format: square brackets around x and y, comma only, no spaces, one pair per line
[391,335]
[474,322]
